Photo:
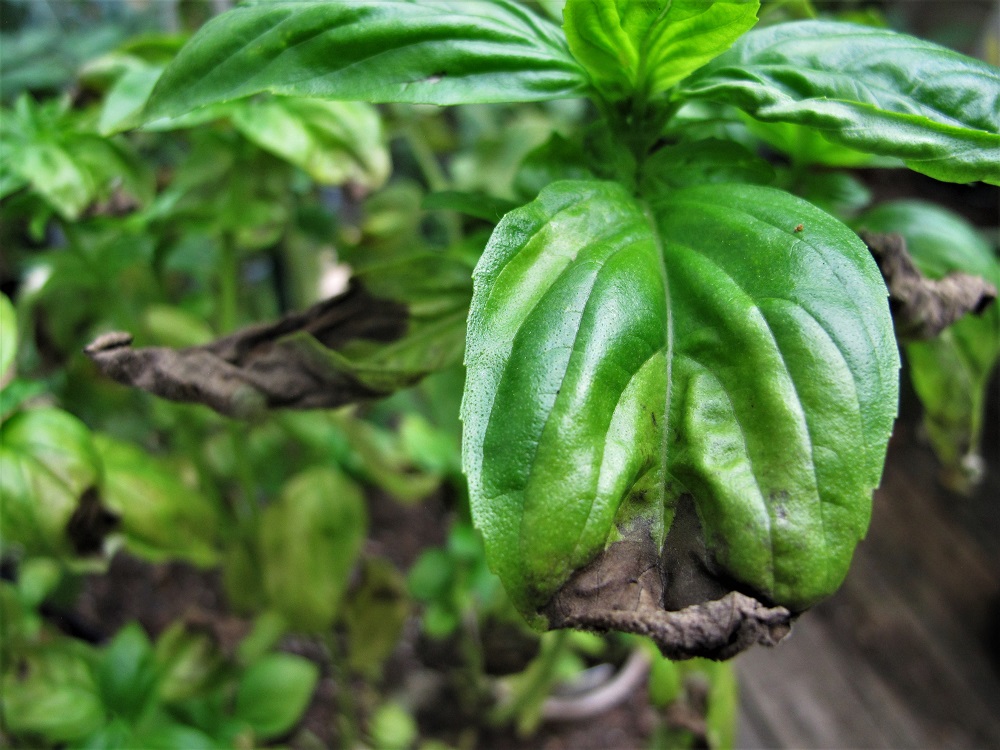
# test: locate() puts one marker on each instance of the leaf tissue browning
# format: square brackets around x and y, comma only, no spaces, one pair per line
[924,307]
[356,346]
[688,359]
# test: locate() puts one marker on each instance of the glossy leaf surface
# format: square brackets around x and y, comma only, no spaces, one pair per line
[431,51]
[952,371]
[871,89]
[629,46]
[618,363]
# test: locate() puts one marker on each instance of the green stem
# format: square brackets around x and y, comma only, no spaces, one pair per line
[433,174]
[229,279]
[346,719]
[530,695]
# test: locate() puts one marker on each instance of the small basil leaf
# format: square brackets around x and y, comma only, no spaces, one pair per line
[951,372]
[334,142]
[700,162]
[161,517]
[648,47]
[8,337]
[869,89]
[50,474]
[274,692]
[431,51]
[127,674]
[478,205]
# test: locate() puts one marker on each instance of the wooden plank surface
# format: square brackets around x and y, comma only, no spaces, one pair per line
[905,654]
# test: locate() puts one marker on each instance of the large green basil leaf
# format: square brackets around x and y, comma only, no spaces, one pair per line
[431,51]
[870,89]
[631,46]
[951,372]
[618,364]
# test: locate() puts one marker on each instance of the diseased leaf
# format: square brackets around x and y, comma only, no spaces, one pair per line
[625,361]
[951,372]
[385,333]
[639,47]
[50,478]
[871,89]
[431,51]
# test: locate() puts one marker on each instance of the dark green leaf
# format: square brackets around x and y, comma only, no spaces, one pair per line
[432,51]
[870,89]
[556,159]
[705,161]
[274,692]
[127,673]
[951,372]
[645,48]
[477,205]
[309,541]
[617,365]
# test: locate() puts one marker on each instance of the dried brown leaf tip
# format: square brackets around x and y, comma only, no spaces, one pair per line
[623,589]
[290,363]
[923,307]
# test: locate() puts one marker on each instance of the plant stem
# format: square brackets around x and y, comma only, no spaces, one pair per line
[229,279]
[530,695]
[433,174]
[346,719]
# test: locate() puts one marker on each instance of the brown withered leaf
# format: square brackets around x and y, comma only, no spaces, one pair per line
[923,307]
[281,364]
[679,603]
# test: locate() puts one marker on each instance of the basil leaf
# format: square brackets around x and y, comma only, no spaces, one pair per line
[618,365]
[784,383]
[308,543]
[332,141]
[870,89]
[706,161]
[8,337]
[951,372]
[50,474]
[431,51]
[274,693]
[648,47]
[161,517]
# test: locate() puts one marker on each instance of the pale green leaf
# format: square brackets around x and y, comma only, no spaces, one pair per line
[638,47]
[334,142]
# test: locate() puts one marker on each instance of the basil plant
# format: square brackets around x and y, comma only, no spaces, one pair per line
[680,379]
